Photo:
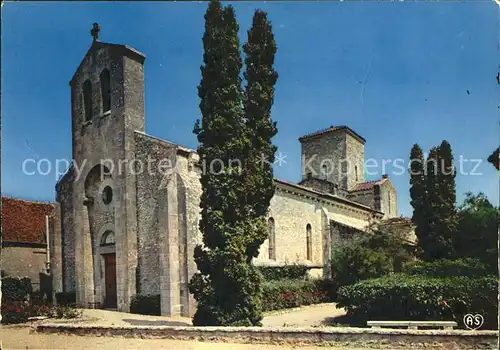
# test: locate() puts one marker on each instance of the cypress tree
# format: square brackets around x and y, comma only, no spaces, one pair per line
[260,50]
[226,286]
[447,224]
[418,195]
[440,183]
[430,245]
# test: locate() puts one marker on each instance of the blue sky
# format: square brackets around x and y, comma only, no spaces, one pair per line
[397,73]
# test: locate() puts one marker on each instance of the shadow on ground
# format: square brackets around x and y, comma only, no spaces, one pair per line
[342,321]
[136,322]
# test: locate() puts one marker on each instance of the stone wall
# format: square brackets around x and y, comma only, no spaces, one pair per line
[293,208]
[339,153]
[325,150]
[355,153]
[319,184]
[168,214]
[150,187]
[24,260]
[365,197]
[64,196]
[333,337]
[189,172]
[388,200]
[55,245]
[292,213]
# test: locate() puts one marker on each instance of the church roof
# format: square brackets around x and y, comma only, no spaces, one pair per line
[328,196]
[331,129]
[24,221]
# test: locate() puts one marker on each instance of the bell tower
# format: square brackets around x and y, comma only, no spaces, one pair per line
[107,92]
[107,107]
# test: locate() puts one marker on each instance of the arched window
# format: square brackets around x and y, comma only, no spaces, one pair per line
[108,238]
[272,239]
[105,90]
[309,242]
[87,99]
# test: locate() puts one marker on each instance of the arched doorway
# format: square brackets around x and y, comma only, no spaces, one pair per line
[108,253]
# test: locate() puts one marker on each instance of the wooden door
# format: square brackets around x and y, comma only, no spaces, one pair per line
[110,280]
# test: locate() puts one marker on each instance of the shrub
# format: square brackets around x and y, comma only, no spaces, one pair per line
[376,254]
[66,298]
[447,268]
[14,311]
[404,297]
[273,273]
[42,310]
[16,288]
[283,294]
[66,312]
[355,262]
[146,304]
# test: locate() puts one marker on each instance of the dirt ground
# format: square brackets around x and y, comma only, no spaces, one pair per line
[308,316]
[22,338]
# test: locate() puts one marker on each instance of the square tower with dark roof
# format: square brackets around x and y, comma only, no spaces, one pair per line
[334,155]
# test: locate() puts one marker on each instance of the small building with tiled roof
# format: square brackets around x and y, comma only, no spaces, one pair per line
[24,240]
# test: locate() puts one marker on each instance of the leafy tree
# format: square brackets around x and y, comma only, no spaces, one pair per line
[494,158]
[418,195]
[477,233]
[236,193]
[261,78]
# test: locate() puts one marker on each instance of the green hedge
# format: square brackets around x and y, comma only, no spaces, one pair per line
[403,297]
[274,273]
[16,288]
[66,298]
[146,304]
[447,268]
[284,294]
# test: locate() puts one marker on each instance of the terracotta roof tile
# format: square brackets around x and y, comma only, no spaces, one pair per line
[366,185]
[24,221]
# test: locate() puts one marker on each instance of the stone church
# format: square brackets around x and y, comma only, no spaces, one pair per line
[121,232]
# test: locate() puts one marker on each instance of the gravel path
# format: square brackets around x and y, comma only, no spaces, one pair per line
[308,316]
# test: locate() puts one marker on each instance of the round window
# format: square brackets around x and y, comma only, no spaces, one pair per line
[107,195]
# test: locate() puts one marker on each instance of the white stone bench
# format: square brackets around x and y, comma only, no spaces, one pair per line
[37,318]
[447,325]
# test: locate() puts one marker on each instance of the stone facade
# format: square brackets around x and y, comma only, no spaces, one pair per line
[335,154]
[25,260]
[146,192]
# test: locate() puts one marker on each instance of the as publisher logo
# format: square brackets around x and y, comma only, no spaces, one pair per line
[473,322]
